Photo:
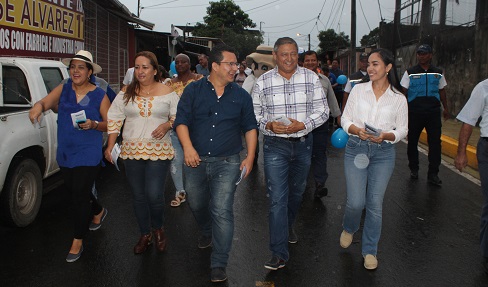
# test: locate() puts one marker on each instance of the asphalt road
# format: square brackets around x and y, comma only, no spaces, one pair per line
[429,238]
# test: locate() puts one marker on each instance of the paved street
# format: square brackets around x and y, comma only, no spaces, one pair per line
[429,238]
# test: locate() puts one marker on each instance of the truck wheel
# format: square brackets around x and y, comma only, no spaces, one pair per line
[21,197]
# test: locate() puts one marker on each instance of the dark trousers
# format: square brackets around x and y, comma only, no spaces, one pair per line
[432,124]
[79,181]
[319,154]
[482,155]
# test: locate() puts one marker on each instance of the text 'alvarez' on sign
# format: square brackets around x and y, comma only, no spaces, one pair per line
[49,28]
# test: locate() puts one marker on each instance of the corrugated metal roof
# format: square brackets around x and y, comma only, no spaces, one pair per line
[119,9]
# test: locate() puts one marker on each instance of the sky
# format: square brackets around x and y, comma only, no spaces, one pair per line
[277,18]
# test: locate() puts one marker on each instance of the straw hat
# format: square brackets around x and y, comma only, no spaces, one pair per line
[263,54]
[84,56]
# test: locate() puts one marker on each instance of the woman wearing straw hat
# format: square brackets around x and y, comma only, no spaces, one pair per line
[82,118]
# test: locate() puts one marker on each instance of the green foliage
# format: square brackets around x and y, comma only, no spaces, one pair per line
[371,39]
[331,41]
[227,21]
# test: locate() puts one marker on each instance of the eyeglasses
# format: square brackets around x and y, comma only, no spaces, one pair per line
[232,64]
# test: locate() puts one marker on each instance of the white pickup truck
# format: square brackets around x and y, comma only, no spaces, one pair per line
[27,151]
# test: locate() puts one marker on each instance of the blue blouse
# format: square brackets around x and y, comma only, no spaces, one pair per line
[79,147]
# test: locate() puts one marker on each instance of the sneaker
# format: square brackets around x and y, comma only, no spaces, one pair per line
[414,174]
[346,239]
[274,263]
[370,262]
[218,274]
[434,179]
[204,242]
[292,236]
[320,191]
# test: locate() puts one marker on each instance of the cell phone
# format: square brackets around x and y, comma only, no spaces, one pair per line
[282,119]
[80,122]
[372,130]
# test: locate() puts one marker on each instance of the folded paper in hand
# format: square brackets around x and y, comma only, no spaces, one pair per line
[243,173]
[115,155]
[78,117]
[372,130]
[282,119]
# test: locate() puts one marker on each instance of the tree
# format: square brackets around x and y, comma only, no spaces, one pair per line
[331,41]
[227,21]
[372,38]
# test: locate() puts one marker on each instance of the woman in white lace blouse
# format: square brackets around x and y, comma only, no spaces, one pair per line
[148,109]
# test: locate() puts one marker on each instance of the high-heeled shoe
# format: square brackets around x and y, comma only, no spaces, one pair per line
[160,239]
[143,243]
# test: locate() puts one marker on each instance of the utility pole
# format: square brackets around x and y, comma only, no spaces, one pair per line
[138,8]
[352,66]
[426,22]
[260,28]
[396,25]
[309,42]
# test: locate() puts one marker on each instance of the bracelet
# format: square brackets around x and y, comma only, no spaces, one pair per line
[96,122]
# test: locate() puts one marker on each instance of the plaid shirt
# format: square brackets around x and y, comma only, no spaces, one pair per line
[301,98]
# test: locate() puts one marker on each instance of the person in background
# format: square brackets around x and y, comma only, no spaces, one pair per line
[369,158]
[79,152]
[295,95]
[360,76]
[129,75]
[240,77]
[476,107]
[178,84]
[202,66]
[147,108]
[425,85]
[212,115]
[163,73]
[338,88]
[321,133]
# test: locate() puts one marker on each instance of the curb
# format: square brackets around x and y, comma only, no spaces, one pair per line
[449,148]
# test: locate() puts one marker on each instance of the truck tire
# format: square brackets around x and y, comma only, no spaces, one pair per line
[21,197]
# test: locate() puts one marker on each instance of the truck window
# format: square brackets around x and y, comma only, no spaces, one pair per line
[52,77]
[15,88]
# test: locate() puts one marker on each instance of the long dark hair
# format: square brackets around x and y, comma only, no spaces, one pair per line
[392,76]
[135,86]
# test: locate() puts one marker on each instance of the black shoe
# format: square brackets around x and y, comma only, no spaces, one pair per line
[320,191]
[414,174]
[204,242]
[292,236]
[218,274]
[73,257]
[434,180]
[274,263]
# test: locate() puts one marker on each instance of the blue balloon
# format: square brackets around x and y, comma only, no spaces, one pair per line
[172,67]
[339,138]
[341,80]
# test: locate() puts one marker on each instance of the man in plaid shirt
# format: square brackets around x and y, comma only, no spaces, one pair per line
[289,103]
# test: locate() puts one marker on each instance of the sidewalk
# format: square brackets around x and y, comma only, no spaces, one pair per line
[450,135]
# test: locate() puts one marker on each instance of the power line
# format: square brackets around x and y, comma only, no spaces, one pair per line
[361,5]
[159,4]
[262,5]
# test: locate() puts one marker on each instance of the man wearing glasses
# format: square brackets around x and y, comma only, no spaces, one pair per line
[212,114]
[289,103]
[425,85]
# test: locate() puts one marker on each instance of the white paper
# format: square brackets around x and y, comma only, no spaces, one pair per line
[115,155]
[243,173]
[78,117]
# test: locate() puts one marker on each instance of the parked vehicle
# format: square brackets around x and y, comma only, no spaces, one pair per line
[27,151]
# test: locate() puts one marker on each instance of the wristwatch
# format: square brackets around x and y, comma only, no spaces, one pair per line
[96,122]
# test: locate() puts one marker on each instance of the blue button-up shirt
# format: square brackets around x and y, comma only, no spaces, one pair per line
[215,124]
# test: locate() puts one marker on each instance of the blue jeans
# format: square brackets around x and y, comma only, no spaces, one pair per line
[319,154]
[211,187]
[368,167]
[286,166]
[177,163]
[482,155]
[146,179]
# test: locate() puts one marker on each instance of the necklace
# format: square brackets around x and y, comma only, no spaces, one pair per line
[144,91]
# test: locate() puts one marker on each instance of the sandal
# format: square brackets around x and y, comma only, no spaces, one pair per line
[180,197]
